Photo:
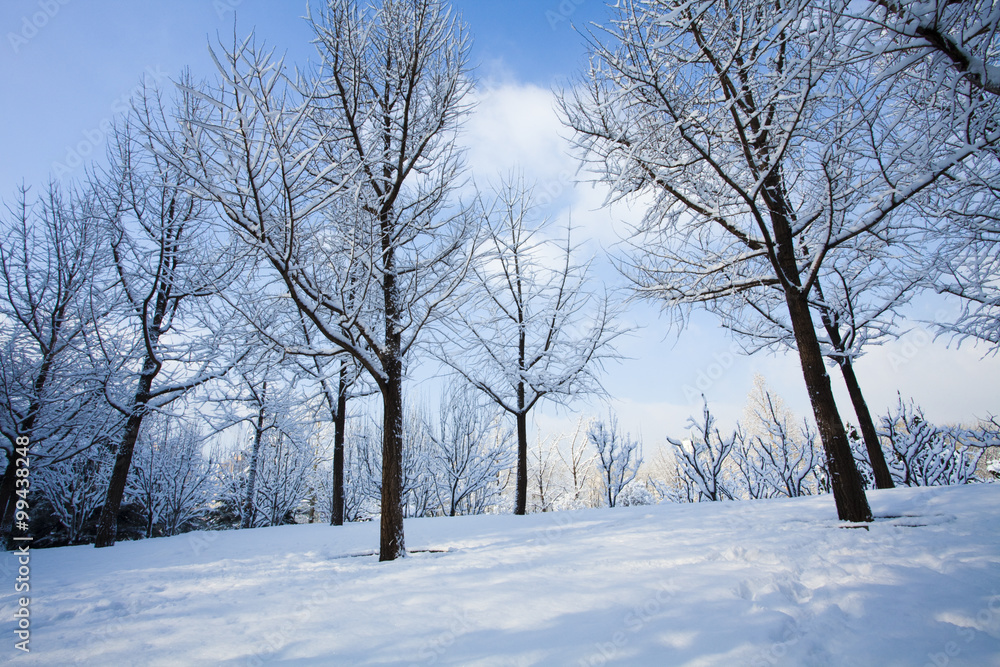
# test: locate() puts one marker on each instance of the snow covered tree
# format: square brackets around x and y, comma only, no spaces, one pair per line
[770,140]
[170,336]
[530,331]
[618,457]
[544,489]
[342,186]
[773,456]
[855,299]
[702,460]
[171,480]
[578,465]
[51,295]
[469,454]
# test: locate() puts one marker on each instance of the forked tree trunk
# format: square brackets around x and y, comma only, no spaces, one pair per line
[883,479]
[845,481]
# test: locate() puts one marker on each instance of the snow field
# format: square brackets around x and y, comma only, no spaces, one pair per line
[777,582]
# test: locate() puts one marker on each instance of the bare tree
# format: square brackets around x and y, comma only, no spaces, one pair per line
[774,457]
[578,464]
[702,459]
[51,285]
[856,298]
[171,480]
[771,141]
[618,457]
[530,331]
[342,186]
[168,265]
[471,450]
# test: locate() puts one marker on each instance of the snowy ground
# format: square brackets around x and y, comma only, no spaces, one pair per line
[764,583]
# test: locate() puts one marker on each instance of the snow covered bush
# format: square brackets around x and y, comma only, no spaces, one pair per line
[72,492]
[171,481]
[923,454]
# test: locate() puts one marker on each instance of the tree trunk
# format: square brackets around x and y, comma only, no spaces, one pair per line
[521,503]
[848,490]
[391,544]
[258,435]
[107,527]
[845,481]
[883,479]
[339,425]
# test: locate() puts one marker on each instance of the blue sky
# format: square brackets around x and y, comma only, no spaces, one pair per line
[67,67]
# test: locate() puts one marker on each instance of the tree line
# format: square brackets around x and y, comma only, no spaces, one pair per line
[280,240]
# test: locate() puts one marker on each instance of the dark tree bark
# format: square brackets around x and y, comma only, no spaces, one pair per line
[107,526]
[391,545]
[845,481]
[520,506]
[883,479]
[339,426]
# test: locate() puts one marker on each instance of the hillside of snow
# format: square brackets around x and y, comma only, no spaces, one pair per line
[753,583]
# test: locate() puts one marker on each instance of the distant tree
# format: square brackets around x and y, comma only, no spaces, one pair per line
[618,457]
[702,459]
[170,481]
[578,465]
[773,456]
[544,489]
[470,453]
[530,330]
